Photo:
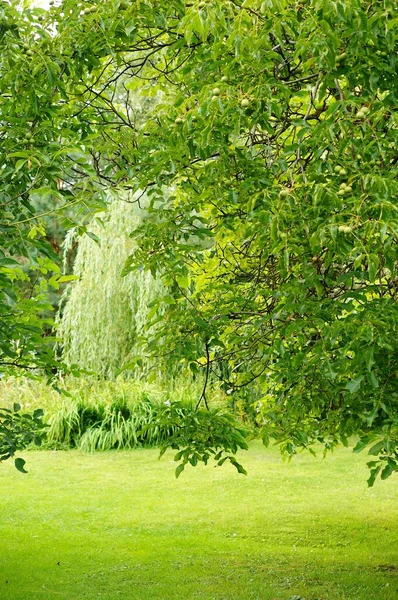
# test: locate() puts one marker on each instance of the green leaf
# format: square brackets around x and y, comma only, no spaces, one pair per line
[373,266]
[19,464]
[373,474]
[66,278]
[354,385]
[386,472]
[376,449]
[179,470]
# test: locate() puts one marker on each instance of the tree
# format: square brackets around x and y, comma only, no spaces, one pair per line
[102,332]
[37,168]
[273,125]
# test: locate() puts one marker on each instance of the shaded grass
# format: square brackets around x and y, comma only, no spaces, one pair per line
[121,526]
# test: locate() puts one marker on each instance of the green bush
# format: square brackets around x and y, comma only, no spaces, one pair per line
[104,415]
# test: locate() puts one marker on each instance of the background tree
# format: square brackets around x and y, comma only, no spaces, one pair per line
[104,316]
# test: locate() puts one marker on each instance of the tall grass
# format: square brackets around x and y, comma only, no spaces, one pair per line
[103,415]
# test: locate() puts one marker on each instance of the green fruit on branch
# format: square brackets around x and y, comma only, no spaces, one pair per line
[216,92]
[345,229]
[224,78]
[178,121]
[245,102]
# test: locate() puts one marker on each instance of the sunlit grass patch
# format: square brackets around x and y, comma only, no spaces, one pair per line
[121,526]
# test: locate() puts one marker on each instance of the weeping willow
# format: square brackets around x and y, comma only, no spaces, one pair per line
[103,316]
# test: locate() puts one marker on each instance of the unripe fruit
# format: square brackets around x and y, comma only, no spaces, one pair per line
[337,169]
[348,189]
[345,229]
[360,114]
[28,135]
[216,92]
[245,103]
[224,78]
[341,192]
[365,109]
[178,121]
[29,53]
[283,193]
[342,56]
[202,4]
[343,172]
[214,98]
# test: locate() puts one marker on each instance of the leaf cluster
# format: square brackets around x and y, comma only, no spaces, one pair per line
[19,430]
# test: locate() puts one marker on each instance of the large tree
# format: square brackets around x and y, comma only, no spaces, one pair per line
[273,126]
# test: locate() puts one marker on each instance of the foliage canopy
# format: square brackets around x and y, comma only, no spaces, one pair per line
[273,126]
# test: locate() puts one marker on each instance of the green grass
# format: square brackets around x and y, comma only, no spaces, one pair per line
[118,525]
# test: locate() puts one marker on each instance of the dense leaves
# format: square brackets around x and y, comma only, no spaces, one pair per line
[200,435]
[272,126]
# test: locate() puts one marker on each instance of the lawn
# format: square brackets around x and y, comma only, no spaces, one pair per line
[118,525]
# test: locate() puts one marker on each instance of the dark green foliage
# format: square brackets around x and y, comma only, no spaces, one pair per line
[19,430]
[200,434]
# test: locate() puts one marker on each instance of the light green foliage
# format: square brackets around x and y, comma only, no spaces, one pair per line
[104,315]
[122,526]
